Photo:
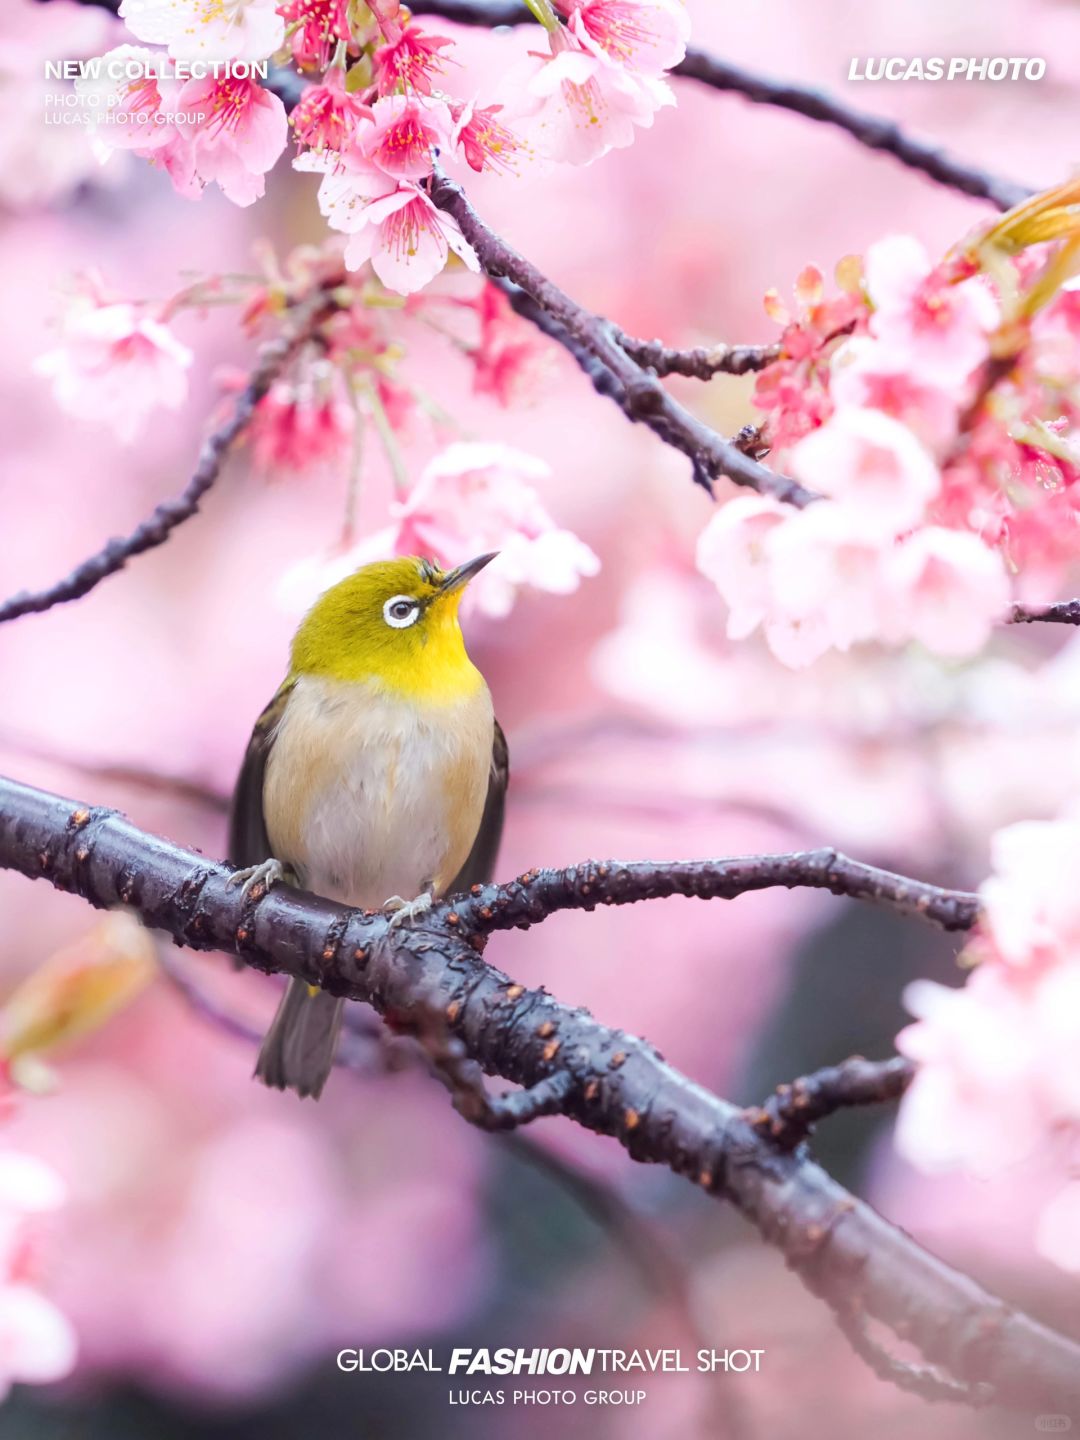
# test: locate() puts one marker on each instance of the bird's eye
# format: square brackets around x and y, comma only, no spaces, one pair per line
[400,611]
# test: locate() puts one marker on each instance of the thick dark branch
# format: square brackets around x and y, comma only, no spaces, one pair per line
[788,1116]
[157,528]
[619,1086]
[639,393]
[1062,612]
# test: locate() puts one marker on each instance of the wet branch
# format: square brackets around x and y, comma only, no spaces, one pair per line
[637,391]
[615,1084]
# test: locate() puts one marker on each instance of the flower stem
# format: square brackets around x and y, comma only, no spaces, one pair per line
[544,12]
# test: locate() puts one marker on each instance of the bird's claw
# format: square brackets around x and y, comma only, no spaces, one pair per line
[266,874]
[406,910]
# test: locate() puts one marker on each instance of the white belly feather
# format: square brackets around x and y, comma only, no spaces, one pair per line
[367,796]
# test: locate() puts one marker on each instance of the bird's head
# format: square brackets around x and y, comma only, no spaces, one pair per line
[393,624]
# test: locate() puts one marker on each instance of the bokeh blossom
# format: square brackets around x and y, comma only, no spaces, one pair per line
[116,364]
[207,29]
[998,1075]
[37,1342]
[471,498]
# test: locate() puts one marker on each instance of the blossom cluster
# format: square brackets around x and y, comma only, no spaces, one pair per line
[373,114]
[998,1077]
[37,1342]
[945,466]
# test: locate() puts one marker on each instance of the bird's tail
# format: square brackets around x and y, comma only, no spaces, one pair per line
[298,1052]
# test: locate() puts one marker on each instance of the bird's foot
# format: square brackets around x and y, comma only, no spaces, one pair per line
[406,910]
[266,875]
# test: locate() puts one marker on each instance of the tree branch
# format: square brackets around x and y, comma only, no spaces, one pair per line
[700,363]
[638,393]
[157,528]
[1061,612]
[789,1115]
[619,1086]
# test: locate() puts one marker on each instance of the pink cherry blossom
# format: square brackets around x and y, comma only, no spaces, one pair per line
[644,35]
[941,329]
[244,131]
[509,356]
[871,463]
[871,376]
[301,430]
[471,498]
[731,552]
[37,1342]
[328,117]
[319,27]
[116,364]
[393,225]
[410,61]
[207,29]
[405,132]
[1031,902]
[998,1060]
[827,571]
[951,590]
[1058,1234]
[128,113]
[575,105]
[484,140]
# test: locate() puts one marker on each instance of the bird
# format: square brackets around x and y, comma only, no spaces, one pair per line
[375,777]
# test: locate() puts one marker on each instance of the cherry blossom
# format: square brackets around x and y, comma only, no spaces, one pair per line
[471,498]
[731,552]
[207,29]
[484,141]
[509,355]
[871,463]
[998,1060]
[37,1342]
[116,364]
[393,225]
[242,134]
[410,61]
[328,117]
[574,105]
[301,430]
[647,36]
[128,113]
[939,328]
[317,27]
[404,134]
[952,590]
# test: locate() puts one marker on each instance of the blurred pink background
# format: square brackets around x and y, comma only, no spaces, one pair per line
[222,1242]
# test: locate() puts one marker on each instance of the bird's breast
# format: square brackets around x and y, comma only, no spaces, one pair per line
[368,795]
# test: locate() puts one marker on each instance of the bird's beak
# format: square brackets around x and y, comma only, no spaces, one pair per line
[457,579]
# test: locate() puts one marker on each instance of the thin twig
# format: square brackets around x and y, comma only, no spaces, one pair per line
[788,1115]
[638,393]
[157,528]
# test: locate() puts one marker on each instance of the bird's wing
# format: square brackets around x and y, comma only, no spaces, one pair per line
[249,843]
[480,866]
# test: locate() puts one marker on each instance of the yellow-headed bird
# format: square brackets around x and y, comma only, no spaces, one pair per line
[378,771]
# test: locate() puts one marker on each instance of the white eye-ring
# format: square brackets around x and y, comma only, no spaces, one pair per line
[401,611]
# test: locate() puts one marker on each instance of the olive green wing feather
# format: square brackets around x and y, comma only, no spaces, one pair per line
[479,868]
[249,843]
